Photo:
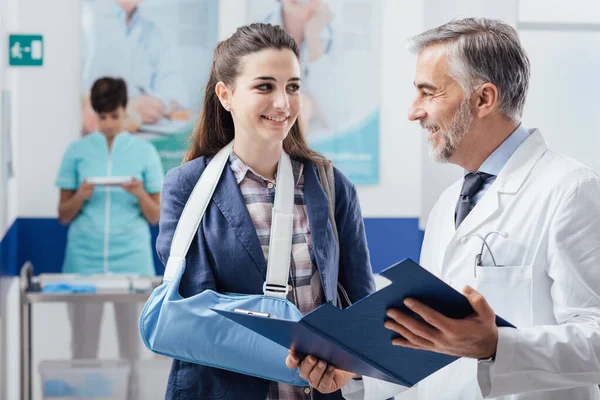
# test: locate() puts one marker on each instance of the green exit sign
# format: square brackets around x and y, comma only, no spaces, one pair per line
[25,50]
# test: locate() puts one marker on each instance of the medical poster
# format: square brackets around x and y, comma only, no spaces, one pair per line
[163,50]
[341,82]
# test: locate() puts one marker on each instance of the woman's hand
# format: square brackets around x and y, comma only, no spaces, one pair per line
[85,191]
[322,377]
[149,202]
[134,187]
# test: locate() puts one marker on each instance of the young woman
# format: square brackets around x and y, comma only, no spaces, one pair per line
[253,95]
[108,230]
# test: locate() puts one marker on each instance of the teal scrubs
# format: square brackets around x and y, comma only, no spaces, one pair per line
[110,234]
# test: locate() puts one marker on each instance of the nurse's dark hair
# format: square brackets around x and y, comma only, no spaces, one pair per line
[215,126]
[108,94]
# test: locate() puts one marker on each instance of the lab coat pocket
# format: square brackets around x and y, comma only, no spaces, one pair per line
[507,290]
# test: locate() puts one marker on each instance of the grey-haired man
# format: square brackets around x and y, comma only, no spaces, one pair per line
[540,213]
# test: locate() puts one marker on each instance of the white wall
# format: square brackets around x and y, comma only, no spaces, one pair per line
[559,11]
[9,309]
[8,23]
[48,107]
[563,41]
[9,287]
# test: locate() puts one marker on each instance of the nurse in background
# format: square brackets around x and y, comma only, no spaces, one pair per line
[119,41]
[338,86]
[108,230]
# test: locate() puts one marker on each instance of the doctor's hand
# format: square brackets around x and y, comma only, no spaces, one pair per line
[320,17]
[475,336]
[149,108]
[322,377]
[306,113]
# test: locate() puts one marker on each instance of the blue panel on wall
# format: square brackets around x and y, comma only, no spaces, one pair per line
[8,251]
[392,240]
[42,241]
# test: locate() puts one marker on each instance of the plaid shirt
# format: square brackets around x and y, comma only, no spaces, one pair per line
[307,293]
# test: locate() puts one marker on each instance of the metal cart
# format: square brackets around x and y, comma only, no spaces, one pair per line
[30,289]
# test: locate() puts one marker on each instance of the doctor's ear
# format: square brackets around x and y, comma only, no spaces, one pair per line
[224,95]
[485,99]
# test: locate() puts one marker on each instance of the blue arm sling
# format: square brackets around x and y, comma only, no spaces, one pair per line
[187,329]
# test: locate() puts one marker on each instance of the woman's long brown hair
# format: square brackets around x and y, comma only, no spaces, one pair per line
[215,127]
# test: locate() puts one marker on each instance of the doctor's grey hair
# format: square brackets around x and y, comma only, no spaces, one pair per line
[482,50]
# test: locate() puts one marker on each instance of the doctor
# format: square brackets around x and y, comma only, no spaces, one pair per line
[120,41]
[541,274]
[326,69]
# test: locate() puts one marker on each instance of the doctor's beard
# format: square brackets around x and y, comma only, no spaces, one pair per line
[453,134]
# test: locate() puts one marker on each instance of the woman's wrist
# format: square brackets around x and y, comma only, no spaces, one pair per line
[142,195]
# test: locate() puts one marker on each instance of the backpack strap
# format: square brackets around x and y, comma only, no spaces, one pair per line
[327,178]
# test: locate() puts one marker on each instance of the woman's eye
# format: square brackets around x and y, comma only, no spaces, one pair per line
[294,87]
[264,86]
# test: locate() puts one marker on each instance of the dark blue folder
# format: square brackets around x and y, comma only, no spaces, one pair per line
[355,340]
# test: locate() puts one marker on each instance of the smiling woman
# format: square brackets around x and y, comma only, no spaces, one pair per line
[252,86]
[253,98]
[264,102]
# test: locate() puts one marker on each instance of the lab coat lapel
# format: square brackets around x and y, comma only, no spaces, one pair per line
[509,181]
[520,165]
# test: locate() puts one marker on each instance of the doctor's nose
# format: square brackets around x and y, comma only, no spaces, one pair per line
[416,113]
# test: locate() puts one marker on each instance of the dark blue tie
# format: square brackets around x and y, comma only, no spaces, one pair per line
[472,184]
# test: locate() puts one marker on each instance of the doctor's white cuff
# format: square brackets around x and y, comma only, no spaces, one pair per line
[486,369]
[371,389]
[353,390]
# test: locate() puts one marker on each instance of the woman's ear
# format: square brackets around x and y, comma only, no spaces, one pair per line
[224,95]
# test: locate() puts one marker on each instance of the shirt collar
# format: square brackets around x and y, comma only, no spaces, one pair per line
[240,169]
[118,137]
[498,159]
[122,15]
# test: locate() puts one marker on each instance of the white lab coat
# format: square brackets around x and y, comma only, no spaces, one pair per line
[548,286]
[137,53]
